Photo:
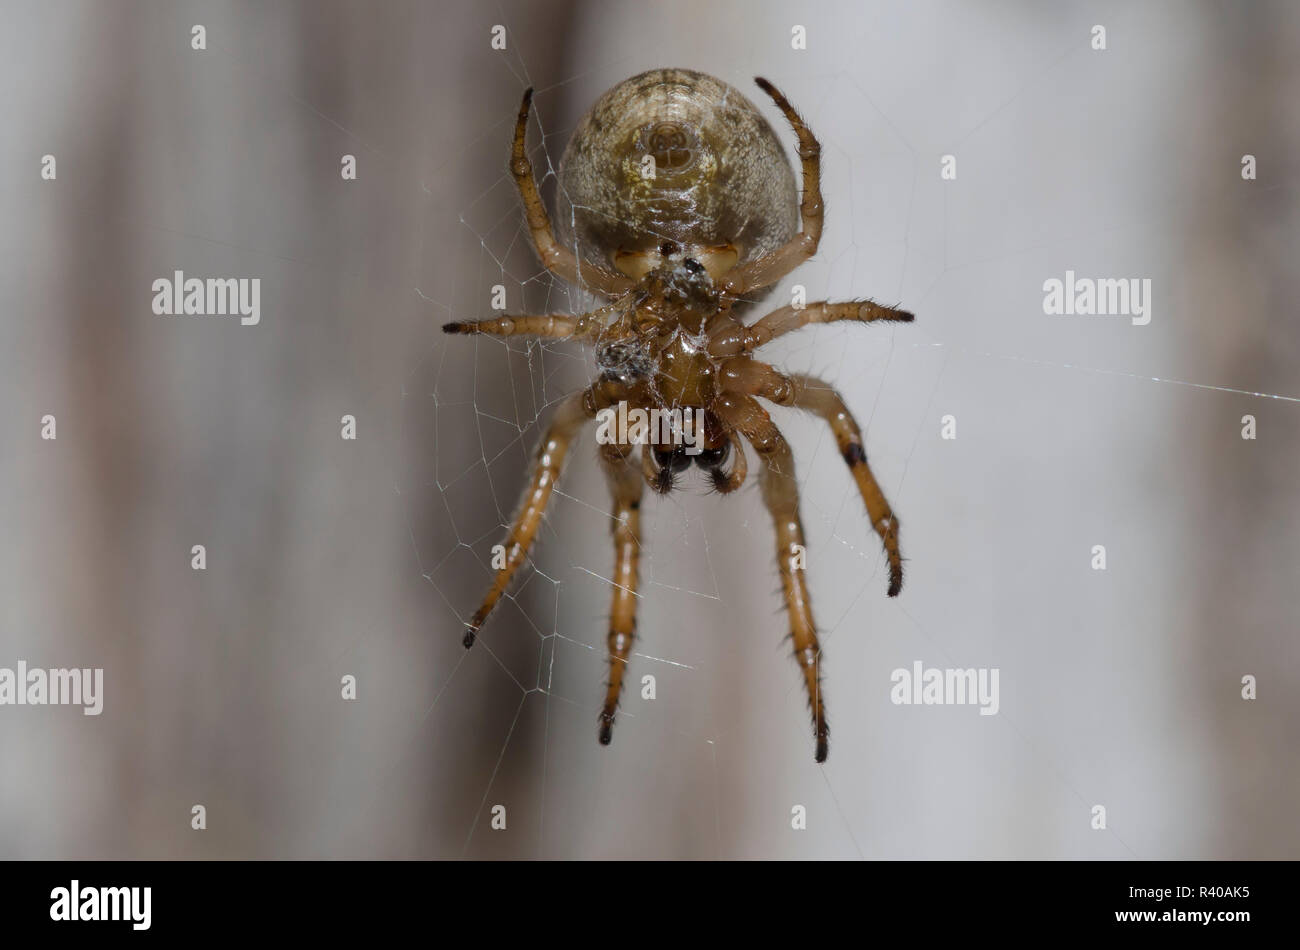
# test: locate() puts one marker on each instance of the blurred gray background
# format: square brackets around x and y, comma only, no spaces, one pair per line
[328,557]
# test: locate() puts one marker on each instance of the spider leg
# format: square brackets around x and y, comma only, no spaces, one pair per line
[735,339]
[555,257]
[781,496]
[571,414]
[548,326]
[771,267]
[818,396]
[815,395]
[626,488]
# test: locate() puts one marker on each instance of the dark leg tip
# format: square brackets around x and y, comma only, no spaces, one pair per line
[453,327]
[823,747]
[895,583]
[468,639]
[606,730]
[763,84]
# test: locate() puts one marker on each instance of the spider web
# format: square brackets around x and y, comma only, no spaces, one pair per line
[1058,422]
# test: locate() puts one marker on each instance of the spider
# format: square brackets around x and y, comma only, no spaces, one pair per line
[681,205]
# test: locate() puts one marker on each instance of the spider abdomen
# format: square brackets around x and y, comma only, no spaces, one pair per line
[674,154]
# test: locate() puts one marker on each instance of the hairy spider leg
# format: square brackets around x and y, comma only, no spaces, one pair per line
[625,486]
[735,339]
[569,417]
[781,496]
[546,326]
[818,396]
[771,267]
[554,256]
[815,395]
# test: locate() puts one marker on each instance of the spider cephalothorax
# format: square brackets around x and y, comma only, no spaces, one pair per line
[679,204]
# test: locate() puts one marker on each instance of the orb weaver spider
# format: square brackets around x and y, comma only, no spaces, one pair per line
[676,251]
